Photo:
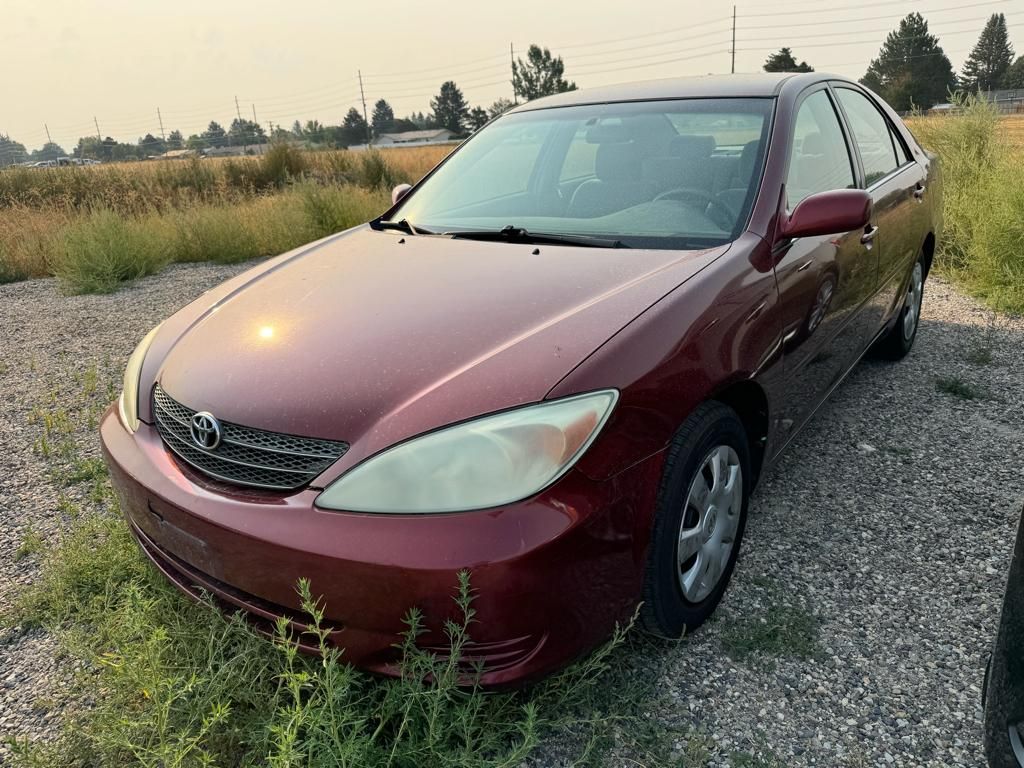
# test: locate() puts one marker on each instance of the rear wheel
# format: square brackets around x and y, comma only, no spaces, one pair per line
[699,521]
[896,344]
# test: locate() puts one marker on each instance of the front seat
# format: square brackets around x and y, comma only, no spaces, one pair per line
[739,184]
[617,186]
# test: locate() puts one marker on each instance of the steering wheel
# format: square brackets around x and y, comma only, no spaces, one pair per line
[709,200]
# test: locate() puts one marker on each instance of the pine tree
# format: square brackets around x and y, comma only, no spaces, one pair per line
[383,117]
[450,108]
[540,75]
[990,59]
[911,69]
[784,61]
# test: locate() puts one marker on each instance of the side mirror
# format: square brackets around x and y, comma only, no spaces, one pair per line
[828,213]
[399,192]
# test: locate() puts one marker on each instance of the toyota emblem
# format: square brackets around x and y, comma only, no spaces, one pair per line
[205,431]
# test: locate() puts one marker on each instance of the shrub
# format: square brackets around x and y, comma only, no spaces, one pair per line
[103,250]
[982,244]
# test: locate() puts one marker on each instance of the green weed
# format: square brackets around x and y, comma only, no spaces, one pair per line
[957,387]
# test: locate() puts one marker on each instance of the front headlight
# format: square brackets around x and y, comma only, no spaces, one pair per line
[482,463]
[128,403]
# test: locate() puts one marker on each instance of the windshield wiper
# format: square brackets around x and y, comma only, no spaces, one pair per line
[519,235]
[403,225]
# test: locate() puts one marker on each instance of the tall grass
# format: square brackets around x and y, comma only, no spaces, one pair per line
[982,245]
[132,188]
[97,228]
[99,250]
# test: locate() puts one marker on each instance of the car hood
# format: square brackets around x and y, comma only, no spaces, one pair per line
[372,337]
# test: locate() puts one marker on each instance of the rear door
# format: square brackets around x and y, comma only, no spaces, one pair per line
[896,184]
[825,282]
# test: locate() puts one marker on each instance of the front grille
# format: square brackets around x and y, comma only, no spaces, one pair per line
[245,456]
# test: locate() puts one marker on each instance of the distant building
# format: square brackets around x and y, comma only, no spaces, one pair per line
[236,150]
[1008,100]
[430,136]
[179,154]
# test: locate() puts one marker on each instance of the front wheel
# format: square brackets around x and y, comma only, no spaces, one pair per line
[699,521]
[896,344]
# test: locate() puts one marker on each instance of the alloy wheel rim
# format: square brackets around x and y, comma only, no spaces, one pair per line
[913,302]
[711,518]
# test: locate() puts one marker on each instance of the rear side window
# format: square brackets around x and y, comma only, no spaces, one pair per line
[819,159]
[872,133]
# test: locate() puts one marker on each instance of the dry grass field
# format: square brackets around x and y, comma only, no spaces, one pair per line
[97,226]
[1011,127]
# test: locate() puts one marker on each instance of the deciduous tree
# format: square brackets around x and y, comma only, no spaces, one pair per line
[11,151]
[1014,77]
[215,135]
[499,107]
[477,118]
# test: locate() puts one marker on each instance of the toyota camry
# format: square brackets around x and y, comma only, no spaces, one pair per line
[560,362]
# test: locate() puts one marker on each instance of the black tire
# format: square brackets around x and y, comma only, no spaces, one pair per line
[896,344]
[666,611]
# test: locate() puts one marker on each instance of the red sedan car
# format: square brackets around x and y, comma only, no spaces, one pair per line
[561,361]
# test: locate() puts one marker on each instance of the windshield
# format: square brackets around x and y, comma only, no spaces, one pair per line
[659,174]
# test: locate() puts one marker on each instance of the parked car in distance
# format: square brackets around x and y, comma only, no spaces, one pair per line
[561,362]
[1004,678]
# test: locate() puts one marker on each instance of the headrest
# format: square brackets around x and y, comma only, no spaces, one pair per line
[812,144]
[617,162]
[608,133]
[748,156]
[692,147]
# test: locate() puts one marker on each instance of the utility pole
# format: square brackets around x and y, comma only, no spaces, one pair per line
[48,139]
[255,125]
[238,111]
[512,59]
[733,40]
[96,123]
[362,95]
[161,119]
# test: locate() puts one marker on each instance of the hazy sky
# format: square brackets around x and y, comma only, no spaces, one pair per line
[66,61]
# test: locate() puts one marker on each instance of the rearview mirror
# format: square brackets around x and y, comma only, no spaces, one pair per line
[828,213]
[399,192]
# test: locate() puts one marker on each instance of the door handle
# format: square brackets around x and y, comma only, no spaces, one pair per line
[869,235]
[919,191]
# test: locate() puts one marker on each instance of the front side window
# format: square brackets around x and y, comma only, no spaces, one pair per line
[819,160]
[872,133]
[661,174]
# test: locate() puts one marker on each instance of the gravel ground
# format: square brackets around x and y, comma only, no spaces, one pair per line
[890,519]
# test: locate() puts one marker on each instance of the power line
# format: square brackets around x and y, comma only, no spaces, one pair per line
[931,33]
[902,3]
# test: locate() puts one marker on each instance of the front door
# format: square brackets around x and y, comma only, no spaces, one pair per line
[825,283]
[896,184]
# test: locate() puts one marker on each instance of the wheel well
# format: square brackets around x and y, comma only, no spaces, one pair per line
[751,405]
[928,249]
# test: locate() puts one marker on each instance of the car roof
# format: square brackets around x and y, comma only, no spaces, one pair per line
[761,85]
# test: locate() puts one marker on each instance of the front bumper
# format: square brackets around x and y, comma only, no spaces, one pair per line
[551,575]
